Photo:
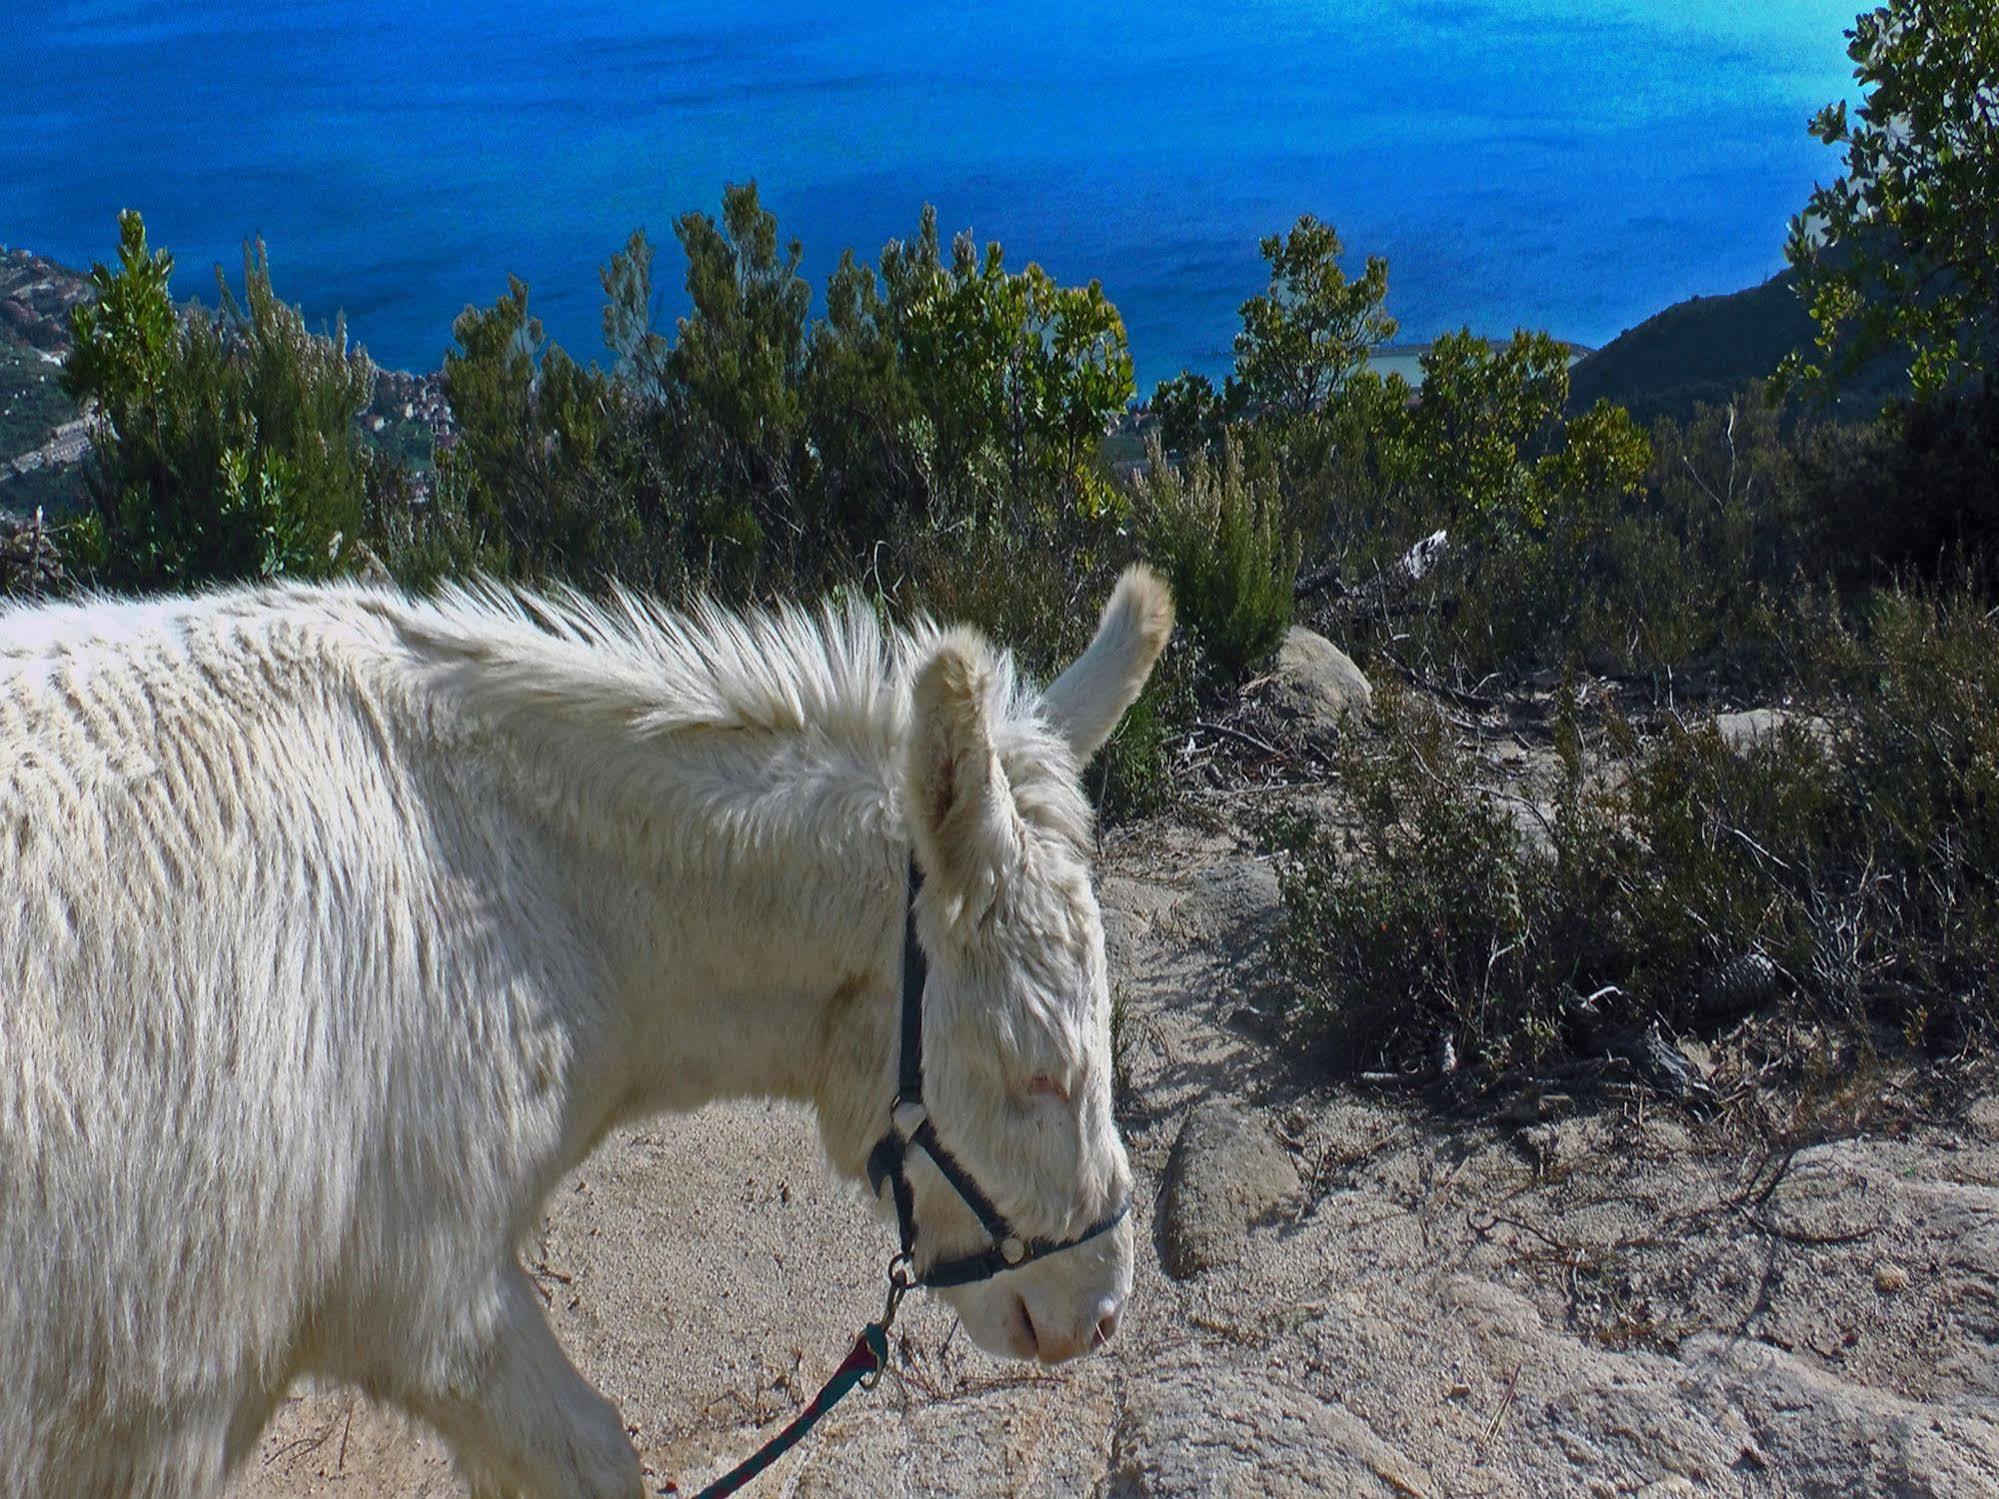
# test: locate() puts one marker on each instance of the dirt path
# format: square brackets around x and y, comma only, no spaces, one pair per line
[1607,1302]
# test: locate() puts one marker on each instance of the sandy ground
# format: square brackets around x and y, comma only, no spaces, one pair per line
[1615,1299]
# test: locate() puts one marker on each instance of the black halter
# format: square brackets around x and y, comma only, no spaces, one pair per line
[910,1127]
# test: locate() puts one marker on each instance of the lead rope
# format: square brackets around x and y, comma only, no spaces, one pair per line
[862,1366]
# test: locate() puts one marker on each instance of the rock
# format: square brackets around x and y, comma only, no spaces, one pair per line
[1226,1171]
[1252,1020]
[1238,902]
[30,565]
[1541,1146]
[1890,1277]
[1316,680]
[1195,1423]
[1661,1063]
[1982,1114]
[1828,1434]
[1422,557]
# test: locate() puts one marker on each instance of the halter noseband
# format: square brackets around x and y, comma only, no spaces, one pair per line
[910,1128]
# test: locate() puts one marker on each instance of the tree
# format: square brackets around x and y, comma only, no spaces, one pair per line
[1193,415]
[546,467]
[1313,329]
[226,445]
[736,376]
[1018,374]
[1508,469]
[1898,253]
[1303,344]
[981,394]
[863,411]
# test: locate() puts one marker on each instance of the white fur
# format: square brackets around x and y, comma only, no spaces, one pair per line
[337,927]
[1085,703]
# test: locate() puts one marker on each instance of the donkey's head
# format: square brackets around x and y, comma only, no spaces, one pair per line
[1017,1034]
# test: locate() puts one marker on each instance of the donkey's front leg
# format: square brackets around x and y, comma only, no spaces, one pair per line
[525,1423]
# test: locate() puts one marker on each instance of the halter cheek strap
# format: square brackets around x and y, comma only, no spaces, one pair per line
[910,1128]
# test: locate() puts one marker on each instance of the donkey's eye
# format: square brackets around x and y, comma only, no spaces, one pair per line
[1041,1085]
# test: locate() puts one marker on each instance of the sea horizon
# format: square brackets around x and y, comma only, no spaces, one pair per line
[1529,165]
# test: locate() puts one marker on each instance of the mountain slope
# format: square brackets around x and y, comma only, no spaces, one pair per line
[1706,349]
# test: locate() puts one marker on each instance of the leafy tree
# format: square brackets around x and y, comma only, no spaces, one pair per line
[866,420]
[976,393]
[1018,375]
[1304,338]
[546,468]
[1491,435]
[226,446]
[1192,414]
[1373,489]
[1898,253]
[1303,344]
[640,351]
[735,376]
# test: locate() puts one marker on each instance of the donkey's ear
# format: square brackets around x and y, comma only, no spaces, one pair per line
[960,808]
[1085,703]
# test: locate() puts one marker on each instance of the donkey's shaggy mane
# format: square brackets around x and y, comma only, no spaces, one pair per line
[625,670]
[631,666]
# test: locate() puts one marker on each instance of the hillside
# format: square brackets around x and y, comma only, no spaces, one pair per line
[1705,350]
[40,438]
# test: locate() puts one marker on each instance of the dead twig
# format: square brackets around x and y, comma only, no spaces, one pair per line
[1798,1236]
[1240,737]
[1499,1416]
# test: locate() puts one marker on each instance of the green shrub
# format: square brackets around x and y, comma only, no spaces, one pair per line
[224,447]
[1395,928]
[1216,529]
[1853,857]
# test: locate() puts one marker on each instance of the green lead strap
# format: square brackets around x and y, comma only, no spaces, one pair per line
[869,1356]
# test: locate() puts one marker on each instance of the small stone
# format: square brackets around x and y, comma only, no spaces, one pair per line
[1238,902]
[1316,680]
[1541,1145]
[1890,1277]
[1252,1021]
[1227,1170]
[1983,1116]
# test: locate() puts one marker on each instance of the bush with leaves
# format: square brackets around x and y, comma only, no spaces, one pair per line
[1525,495]
[756,450]
[1849,856]
[225,447]
[1216,528]
[1897,253]
[1303,339]
[551,471]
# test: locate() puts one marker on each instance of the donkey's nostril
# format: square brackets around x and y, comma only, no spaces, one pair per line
[1033,1333]
[1106,1325]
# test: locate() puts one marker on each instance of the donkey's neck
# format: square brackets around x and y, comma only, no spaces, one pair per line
[747,891]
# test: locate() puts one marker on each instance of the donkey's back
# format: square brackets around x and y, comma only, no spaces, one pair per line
[227,1149]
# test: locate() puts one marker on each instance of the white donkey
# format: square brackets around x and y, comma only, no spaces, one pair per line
[335,928]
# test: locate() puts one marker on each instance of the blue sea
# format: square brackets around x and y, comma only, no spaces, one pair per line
[1566,166]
